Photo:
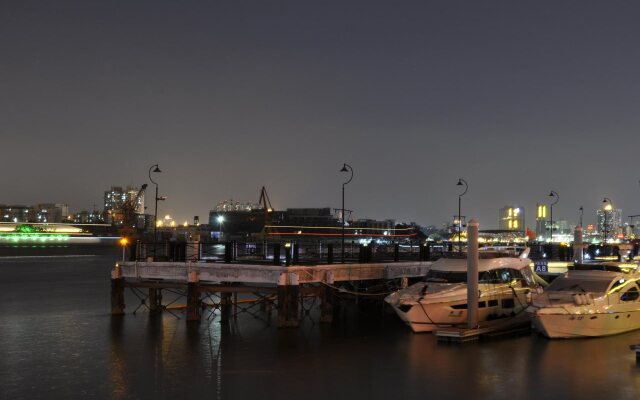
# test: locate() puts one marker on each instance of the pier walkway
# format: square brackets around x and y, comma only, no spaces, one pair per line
[284,287]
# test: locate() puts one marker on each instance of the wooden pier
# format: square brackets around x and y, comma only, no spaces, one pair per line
[217,285]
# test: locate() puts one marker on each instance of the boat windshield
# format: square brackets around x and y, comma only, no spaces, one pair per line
[564,284]
[501,275]
[446,276]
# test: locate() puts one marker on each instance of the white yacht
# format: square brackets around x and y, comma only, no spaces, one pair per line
[440,300]
[588,303]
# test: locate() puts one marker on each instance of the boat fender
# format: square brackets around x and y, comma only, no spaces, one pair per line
[577,299]
[587,298]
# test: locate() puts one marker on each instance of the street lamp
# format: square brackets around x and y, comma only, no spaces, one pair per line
[552,194]
[155,168]
[581,209]
[608,207]
[220,221]
[345,168]
[461,182]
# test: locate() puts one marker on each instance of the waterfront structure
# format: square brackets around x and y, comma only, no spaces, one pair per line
[511,218]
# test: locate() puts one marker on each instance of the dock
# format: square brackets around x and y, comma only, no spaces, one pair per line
[489,329]
[284,288]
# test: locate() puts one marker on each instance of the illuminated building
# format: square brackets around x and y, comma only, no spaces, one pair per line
[114,199]
[612,217]
[88,217]
[52,213]
[542,221]
[17,213]
[512,218]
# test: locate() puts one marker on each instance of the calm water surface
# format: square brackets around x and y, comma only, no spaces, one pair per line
[58,341]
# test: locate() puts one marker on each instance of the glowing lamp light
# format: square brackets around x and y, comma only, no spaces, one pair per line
[220,219]
[608,207]
[123,241]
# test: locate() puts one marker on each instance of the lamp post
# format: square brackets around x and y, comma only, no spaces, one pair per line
[581,209]
[461,182]
[155,168]
[123,243]
[345,168]
[220,221]
[552,194]
[608,207]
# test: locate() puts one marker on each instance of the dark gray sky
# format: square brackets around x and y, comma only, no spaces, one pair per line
[518,98]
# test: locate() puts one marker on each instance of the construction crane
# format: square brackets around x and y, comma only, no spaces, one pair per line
[128,211]
[265,202]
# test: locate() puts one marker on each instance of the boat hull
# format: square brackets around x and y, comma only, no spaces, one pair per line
[586,325]
[429,317]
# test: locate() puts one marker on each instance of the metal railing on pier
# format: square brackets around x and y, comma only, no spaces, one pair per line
[278,253]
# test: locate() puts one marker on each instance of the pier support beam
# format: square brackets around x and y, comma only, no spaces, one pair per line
[288,293]
[193,296]
[328,299]
[225,308]
[155,301]
[117,292]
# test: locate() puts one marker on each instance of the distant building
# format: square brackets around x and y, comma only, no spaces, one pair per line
[88,217]
[511,218]
[17,213]
[52,213]
[609,221]
[542,221]
[115,198]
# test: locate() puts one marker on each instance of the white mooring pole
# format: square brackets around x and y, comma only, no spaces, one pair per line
[472,274]
[577,245]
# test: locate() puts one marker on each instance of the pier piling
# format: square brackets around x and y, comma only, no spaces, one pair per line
[117,292]
[193,296]
[155,301]
[288,294]
[328,299]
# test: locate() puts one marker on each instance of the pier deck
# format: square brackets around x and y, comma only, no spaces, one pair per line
[265,274]
[272,285]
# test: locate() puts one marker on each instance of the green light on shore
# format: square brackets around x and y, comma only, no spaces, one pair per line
[32,237]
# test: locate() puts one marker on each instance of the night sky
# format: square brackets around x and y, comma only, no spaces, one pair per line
[517,98]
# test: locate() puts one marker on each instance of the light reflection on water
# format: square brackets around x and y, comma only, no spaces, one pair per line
[59,342]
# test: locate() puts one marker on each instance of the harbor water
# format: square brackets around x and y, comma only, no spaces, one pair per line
[59,341]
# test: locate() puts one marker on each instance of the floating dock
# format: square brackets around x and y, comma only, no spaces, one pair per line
[489,329]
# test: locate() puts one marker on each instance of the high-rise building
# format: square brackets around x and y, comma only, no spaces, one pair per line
[116,197]
[511,218]
[609,221]
[542,221]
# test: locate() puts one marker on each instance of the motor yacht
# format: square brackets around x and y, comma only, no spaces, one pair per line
[505,283]
[589,303]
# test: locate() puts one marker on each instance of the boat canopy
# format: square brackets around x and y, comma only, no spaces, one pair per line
[583,282]
[486,264]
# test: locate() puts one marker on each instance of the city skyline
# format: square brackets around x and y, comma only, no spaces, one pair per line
[517,99]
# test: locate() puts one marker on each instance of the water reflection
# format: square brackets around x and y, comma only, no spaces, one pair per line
[70,347]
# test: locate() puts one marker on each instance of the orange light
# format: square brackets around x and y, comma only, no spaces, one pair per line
[124,241]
